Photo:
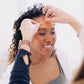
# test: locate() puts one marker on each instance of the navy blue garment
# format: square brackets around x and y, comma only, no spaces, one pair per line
[20,71]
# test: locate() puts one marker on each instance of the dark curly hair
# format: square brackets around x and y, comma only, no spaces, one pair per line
[34,11]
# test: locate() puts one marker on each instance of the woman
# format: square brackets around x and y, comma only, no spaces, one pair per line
[35,56]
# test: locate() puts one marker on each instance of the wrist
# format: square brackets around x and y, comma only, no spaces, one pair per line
[27,39]
[25,44]
[25,47]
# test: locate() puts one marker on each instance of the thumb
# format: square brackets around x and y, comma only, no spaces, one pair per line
[36,27]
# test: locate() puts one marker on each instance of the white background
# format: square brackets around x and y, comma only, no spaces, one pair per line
[67,40]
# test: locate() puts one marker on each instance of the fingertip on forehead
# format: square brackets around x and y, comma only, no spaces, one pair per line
[41,20]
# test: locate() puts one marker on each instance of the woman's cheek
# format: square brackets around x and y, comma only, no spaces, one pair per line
[39,39]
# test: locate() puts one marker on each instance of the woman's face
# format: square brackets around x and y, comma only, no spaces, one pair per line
[44,40]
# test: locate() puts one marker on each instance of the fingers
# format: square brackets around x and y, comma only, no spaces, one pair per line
[49,13]
[28,21]
[25,20]
[33,22]
[52,16]
[36,27]
[46,8]
[29,24]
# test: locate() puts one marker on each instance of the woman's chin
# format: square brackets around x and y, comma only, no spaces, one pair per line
[47,53]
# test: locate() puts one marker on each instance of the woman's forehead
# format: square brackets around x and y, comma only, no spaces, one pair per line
[46,25]
[43,23]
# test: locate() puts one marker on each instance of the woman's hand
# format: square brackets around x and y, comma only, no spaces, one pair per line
[59,16]
[28,28]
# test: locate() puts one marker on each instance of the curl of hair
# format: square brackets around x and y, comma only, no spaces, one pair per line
[32,12]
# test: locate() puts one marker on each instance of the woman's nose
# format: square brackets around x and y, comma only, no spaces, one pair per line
[48,38]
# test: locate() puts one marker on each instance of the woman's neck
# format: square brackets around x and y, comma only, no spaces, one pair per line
[37,58]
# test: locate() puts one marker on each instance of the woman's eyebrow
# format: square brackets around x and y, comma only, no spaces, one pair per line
[45,29]
[41,29]
[53,28]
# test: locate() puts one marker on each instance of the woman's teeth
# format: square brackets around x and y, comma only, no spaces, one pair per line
[48,46]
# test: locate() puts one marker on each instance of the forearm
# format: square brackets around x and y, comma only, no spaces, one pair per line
[26,47]
[20,72]
[75,24]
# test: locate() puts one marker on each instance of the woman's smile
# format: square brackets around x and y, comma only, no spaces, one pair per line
[48,47]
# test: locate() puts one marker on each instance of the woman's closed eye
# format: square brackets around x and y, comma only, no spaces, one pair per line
[45,33]
[52,32]
[41,33]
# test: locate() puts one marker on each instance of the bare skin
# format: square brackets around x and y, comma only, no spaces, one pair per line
[45,72]
[43,67]
[60,16]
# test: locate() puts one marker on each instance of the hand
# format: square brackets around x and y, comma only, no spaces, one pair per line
[58,16]
[28,28]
